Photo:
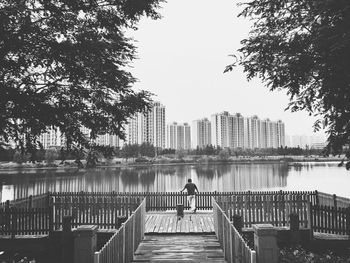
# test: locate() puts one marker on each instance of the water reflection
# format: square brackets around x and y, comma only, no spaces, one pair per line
[326,177]
[223,177]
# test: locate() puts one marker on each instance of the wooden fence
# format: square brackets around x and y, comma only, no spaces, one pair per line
[105,211]
[108,209]
[169,200]
[25,221]
[233,244]
[268,207]
[329,219]
[123,244]
[37,201]
[160,201]
[331,200]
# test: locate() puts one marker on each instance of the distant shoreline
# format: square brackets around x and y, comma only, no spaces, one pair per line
[10,166]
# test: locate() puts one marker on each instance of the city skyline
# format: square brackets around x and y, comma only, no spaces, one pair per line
[182,63]
[238,131]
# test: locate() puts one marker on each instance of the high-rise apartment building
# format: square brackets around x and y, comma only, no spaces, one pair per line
[236,131]
[178,136]
[281,135]
[54,138]
[158,115]
[134,130]
[187,136]
[201,133]
[255,129]
[108,140]
[228,130]
[221,129]
[51,138]
[148,127]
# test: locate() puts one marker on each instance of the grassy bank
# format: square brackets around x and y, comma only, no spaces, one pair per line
[171,160]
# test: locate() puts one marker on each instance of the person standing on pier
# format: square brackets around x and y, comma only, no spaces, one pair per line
[191,194]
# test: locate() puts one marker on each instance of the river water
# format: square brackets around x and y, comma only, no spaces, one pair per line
[325,177]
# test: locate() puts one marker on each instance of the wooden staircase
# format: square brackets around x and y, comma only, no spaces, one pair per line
[179,248]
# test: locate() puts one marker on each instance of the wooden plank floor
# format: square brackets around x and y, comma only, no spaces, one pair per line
[179,248]
[168,222]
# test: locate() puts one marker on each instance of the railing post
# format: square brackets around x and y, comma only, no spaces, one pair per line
[265,243]
[310,219]
[335,200]
[230,244]
[30,202]
[48,199]
[85,242]
[97,257]
[348,221]
[7,216]
[133,215]
[124,247]
[223,231]
[13,212]
[317,198]
[50,208]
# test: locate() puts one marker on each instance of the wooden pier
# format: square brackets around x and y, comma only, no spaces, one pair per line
[170,223]
[155,233]
[180,248]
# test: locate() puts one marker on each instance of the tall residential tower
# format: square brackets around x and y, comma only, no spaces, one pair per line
[201,133]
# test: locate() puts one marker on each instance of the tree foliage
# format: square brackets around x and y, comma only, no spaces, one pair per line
[147,149]
[64,64]
[303,47]
[129,151]
[51,155]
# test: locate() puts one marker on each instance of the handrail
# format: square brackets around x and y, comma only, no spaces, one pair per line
[332,200]
[122,245]
[268,208]
[233,244]
[168,200]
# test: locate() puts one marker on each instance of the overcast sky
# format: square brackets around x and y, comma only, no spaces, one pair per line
[182,58]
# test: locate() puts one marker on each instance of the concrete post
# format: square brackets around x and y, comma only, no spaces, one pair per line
[294,228]
[265,243]
[67,240]
[85,241]
[294,221]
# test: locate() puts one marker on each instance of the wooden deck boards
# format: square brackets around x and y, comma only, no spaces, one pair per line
[179,248]
[168,222]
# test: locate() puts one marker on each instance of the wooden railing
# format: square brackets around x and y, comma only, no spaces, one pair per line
[329,219]
[25,221]
[268,207]
[160,201]
[108,209]
[103,210]
[37,201]
[332,200]
[233,244]
[155,200]
[122,245]
[169,200]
